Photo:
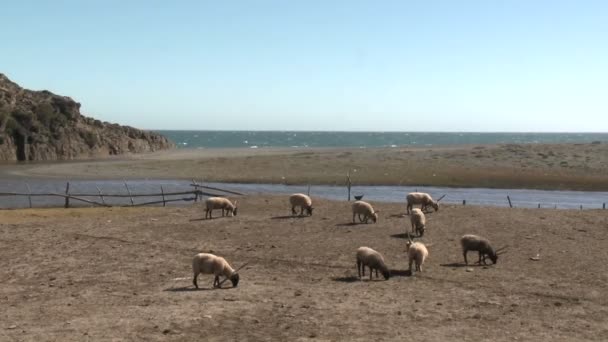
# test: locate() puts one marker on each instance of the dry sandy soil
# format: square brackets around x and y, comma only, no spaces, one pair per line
[103,274]
[533,166]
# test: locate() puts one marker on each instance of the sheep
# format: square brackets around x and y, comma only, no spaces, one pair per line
[372,259]
[302,201]
[219,203]
[207,263]
[416,252]
[470,242]
[365,209]
[418,221]
[421,198]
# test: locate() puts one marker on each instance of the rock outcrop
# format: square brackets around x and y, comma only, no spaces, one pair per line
[39,125]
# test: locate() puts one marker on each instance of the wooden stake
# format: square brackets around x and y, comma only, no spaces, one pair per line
[67,194]
[30,194]
[510,204]
[163,194]
[464,202]
[100,195]
[129,191]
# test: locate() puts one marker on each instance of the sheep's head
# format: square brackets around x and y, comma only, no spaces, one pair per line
[420,230]
[494,254]
[234,209]
[234,278]
[375,216]
[386,274]
[309,210]
[435,206]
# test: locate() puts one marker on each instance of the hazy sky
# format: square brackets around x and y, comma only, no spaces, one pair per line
[450,65]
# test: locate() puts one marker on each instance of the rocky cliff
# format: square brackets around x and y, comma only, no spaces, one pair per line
[39,125]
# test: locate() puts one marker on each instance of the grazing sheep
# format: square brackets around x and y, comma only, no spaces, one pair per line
[477,243]
[207,263]
[418,221]
[365,209]
[421,198]
[416,252]
[372,259]
[302,201]
[219,203]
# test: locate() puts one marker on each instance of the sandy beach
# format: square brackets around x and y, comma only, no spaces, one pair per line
[533,166]
[124,273]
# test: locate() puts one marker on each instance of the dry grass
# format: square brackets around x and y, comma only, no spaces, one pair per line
[124,274]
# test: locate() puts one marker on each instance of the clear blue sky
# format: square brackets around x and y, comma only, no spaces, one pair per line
[517,65]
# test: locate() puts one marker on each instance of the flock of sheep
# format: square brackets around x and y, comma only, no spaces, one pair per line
[417,252]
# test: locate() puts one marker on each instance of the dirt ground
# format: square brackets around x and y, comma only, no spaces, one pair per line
[531,166]
[100,274]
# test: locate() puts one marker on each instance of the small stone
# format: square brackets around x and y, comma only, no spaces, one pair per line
[207,316]
[476,316]
[468,269]
[52,278]
[439,303]
[166,331]
[558,304]
[399,313]
[12,327]
[297,293]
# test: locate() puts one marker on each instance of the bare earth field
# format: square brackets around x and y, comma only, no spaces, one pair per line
[532,166]
[104,274]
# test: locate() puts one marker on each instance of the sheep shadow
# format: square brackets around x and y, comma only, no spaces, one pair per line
[404,236]
[397,215]
[212,218]
[349,224]
[462,264]
[400,273]
[349,279]
[191,288]
[287,217]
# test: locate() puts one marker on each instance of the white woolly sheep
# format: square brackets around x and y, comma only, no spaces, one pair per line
[421,198]
[416,252]
[372,259]
[302,201]
[365,209]
[418,221]
[470,242]
[219,203]
[207,263]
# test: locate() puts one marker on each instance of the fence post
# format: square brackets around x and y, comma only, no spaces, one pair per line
[67,194]
[29,197]
[538,205]
[100,195]
[163,194]
[510,204]
[581,207]
[308,192]
[195,185]
[464,202]
[348,183]
[604,206]
[129,191]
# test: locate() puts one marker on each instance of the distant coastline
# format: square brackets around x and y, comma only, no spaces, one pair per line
[315,139]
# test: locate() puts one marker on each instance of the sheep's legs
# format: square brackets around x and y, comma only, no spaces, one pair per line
[359,268]
[371,273]
[410,268]
[216,282]
[465,257]
[293,211]
[354,217]
[194,281]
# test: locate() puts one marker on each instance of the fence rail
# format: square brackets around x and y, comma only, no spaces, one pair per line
[89,198]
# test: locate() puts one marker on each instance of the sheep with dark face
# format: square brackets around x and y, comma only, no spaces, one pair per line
[302,201]
[219,203]
[421,198]
[365,209]
[207,263]
[418,221]
[372,259]
[482,245]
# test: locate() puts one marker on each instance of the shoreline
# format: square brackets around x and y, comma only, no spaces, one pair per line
[573,166]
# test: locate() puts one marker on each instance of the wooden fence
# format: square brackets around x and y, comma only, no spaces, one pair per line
[197,193]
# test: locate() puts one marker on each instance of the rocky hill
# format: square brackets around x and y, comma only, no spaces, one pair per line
[39,125]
